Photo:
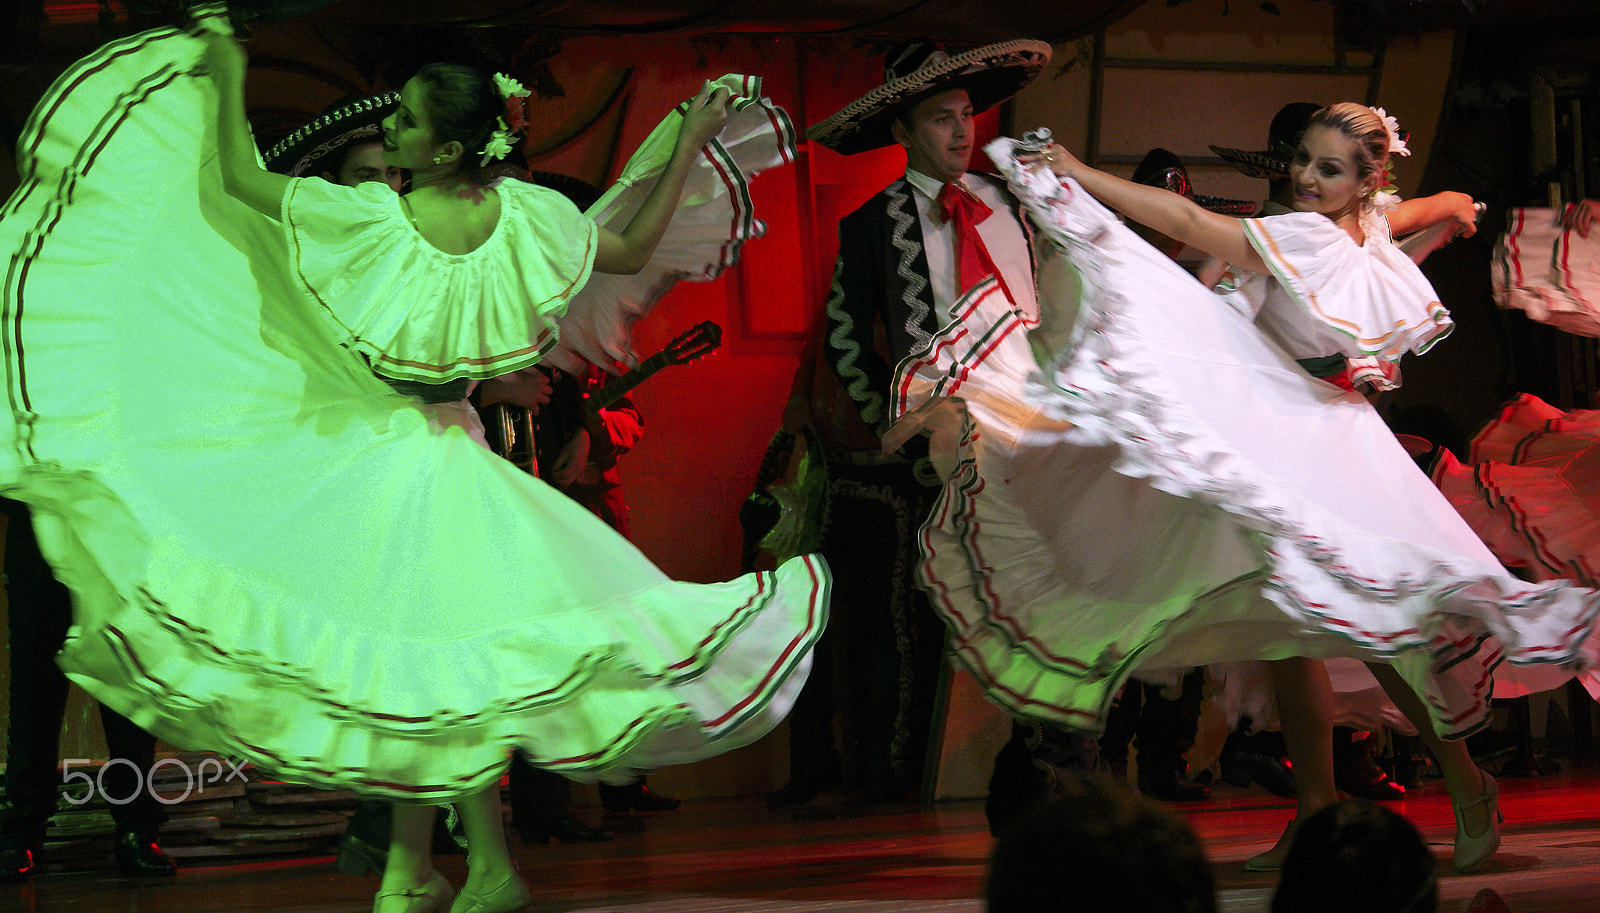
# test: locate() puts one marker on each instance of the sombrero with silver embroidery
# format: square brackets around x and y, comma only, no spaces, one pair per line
[357,121]
[1162,168]
[917,69]
[1283,137]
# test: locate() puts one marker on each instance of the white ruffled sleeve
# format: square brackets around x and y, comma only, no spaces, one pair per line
[713,220]
[418,313]
[1360,300]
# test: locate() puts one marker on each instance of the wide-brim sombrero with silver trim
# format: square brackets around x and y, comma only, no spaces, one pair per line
[1283,137]
[1266,164]
[1162,168]
[990,74]
[305,150]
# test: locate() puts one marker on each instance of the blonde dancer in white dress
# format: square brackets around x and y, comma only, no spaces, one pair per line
[1199,497]
[275,556]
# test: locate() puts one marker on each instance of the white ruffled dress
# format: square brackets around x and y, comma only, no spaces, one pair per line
[1174,490]
[274,555]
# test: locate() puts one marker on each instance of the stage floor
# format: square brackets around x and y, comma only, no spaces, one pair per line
[733,856]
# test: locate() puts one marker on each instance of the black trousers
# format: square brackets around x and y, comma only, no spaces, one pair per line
[1162,728]
[884,641]
[537,796]
[40,612]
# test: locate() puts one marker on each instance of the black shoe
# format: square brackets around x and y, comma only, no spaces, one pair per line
[803,787]
[1529,764]
[1171,786]
[566,829]
[635,797]
[1258,758]
[1277,777]
[1242,768]
[139,855]
[17,862]
[358,857]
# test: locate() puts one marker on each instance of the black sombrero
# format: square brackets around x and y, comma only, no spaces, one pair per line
[344,122]
[1283,137]
[915,70]
[1162,168]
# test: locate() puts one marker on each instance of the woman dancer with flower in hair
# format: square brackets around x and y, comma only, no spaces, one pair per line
[1211,501]
[311,572]
[451,121]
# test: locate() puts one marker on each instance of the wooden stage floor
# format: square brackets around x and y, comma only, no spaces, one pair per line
[733,856]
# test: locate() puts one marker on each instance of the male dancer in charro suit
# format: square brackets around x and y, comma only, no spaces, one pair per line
[908,254]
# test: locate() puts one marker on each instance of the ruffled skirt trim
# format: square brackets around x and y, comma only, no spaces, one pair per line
[1533,490]
[1550,272]
[714,221]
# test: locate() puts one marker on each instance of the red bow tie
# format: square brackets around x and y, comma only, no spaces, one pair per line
[966,211]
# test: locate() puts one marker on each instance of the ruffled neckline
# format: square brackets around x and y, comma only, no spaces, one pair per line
[1368,294]
[421,314]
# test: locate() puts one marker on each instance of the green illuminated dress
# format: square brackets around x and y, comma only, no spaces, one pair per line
[273,554]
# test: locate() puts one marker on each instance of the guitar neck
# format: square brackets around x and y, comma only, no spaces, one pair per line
[620,386]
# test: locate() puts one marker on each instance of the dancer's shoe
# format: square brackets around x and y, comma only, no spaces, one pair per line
[138,854]
[1473,851]
[17,863]
[512,895]
[1171,784]
[1272,860]
[432,897]
[636,797]
[566,829]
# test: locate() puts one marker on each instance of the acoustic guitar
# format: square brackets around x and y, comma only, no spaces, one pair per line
[528,440]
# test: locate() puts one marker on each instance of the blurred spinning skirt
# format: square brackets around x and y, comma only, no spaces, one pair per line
[276,557]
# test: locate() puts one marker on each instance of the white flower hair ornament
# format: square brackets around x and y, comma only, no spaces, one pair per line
[508,87]
[1387,196]
[512,123]
[499,145]
[1397,139]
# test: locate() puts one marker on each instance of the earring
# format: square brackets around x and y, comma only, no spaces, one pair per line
[437,159]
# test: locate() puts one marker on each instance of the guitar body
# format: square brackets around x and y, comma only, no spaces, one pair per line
[535,442]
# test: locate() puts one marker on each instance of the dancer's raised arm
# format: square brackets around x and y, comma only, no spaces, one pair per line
[242,174]
[1176,217]
[628,251]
